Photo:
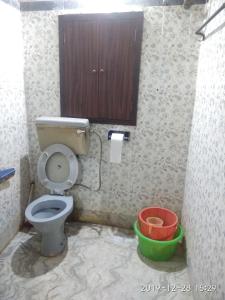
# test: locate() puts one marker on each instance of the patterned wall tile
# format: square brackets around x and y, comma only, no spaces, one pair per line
[13,125]
[204,207]
[11,64]
[154,160]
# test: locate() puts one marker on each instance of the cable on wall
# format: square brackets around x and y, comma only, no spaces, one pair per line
[99,168]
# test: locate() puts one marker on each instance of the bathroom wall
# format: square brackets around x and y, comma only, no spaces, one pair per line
[204,205]
[13,124]
[153,165]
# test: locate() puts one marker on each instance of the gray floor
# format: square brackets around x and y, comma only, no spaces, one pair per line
[100,263]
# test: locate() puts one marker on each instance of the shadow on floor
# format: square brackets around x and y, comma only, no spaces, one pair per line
[28,262]
[177,263]
[73,228]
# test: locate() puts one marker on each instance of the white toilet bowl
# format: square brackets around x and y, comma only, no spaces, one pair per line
[57,171]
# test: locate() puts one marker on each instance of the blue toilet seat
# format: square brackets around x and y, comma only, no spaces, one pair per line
[57,168]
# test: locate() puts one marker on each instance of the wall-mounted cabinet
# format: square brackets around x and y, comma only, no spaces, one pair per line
[99,66]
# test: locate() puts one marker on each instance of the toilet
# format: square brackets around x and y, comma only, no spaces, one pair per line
[57,170]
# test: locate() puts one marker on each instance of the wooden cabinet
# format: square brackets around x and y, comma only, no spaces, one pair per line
[99,66]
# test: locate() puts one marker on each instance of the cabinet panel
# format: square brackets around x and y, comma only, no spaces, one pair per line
[119,54]
[78,66]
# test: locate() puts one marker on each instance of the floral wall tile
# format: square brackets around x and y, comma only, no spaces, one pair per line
[204,206]
[13,124]
[154,160]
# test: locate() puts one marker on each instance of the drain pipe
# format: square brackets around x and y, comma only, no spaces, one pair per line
[32,185]
[31,192]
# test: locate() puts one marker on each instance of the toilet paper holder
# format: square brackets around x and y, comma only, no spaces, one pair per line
[126,134]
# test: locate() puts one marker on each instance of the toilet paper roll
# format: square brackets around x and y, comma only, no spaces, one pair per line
[116,147]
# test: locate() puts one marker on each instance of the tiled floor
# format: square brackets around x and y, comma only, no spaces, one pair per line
[100,263]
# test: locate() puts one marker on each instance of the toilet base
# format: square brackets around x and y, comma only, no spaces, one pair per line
[53,243]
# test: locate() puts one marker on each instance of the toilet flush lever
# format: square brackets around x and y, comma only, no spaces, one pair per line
[79,131]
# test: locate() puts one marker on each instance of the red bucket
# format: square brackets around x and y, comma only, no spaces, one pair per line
[161,233]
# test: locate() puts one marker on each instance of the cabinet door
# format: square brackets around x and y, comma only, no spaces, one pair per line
[119,59]
[78,66]
[99,66]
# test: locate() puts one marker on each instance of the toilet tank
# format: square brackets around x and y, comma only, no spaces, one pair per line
[72,132]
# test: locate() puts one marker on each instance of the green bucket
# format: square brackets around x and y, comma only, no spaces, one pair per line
[158,250]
